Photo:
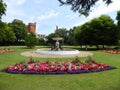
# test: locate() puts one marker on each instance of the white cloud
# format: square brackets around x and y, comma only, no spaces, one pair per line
[104,9]
[48,15]
[38,1]
[72,16]
[15,2]
[14,9]
[100,9]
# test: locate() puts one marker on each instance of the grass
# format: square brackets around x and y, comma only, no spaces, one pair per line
[107,80]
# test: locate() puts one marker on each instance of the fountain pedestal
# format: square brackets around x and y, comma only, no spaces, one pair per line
[57,44]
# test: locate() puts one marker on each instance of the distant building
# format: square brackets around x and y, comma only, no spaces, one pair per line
[31,27]
[41,36]
[17,20]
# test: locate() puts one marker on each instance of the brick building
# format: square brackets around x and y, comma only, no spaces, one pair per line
[31,27]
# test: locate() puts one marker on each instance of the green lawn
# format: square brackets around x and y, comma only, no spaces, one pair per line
[107,80]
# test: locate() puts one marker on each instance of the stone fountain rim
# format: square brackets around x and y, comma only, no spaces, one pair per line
[33,54]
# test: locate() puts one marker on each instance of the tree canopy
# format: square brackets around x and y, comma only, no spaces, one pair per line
[82,6]
[118,23]
[19,29]
[97,32]
[2,8]
[6,33]
[31,40]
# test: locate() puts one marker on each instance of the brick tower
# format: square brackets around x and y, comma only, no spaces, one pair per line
[31,27]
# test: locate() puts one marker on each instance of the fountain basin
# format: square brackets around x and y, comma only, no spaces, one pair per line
[64,52]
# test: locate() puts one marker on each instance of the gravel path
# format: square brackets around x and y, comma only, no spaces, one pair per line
[33,54]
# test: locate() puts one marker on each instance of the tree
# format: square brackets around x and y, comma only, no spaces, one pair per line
[31,40]
[62,32]
[83,34]
[2,31]
[2,8]
[6,33]
[77,31]
[118,23]
[50,40]
[82,6]
[108,29]
[103,28]
[42,41]
[19,29]
[70,37]
[118,28]
[97,32]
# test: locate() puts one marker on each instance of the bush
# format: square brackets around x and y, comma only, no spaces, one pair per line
[31,40]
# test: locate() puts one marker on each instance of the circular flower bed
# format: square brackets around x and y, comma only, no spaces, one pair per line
[110,51]
[73,67]
[5,50]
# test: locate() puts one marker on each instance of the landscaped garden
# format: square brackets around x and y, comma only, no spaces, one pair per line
[107,79]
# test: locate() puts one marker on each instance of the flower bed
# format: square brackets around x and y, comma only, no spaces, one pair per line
[73,67]
[110,51]
[5,50]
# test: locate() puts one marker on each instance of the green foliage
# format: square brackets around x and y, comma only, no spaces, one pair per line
[118,23]
[103,28]
[31,40]
[2,31]
[62,32]
[70,37]
[2,8]
[77,31]
[42,41]
[19,29]
[49,39]
[118,17]
[82,6]
[6,33]
[97,32]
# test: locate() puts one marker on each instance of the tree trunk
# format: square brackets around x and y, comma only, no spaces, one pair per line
[86,47]
[97,46]
[81,46]
[103,46]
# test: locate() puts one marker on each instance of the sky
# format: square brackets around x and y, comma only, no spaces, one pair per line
[48,14]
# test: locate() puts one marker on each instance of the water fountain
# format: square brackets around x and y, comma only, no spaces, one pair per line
[56,51]
[57,46]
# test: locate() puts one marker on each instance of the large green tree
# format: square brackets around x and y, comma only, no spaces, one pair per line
[99,31]
[19,29]
[50,41]
[62,32]
[6,33]
[2,8]
[118,23]
[82,6]
[77,31]
[70,37]
[118,28]
[103,28]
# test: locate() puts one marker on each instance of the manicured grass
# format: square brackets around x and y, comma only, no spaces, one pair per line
[107,80]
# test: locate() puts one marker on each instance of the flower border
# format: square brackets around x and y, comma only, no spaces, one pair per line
[73,67]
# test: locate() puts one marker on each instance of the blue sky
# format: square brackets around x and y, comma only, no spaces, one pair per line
[48,13]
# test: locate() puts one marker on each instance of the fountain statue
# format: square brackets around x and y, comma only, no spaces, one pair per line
[57,49]
[57,44]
